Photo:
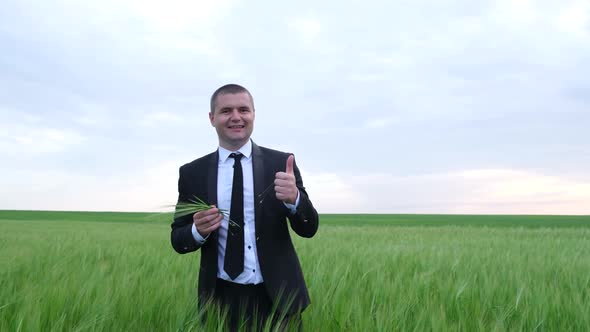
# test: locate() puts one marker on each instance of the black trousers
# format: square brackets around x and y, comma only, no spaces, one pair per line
[249,308]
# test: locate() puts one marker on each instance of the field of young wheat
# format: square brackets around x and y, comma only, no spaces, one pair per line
[117,272]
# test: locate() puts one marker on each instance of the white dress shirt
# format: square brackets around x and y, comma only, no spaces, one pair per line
[225,174]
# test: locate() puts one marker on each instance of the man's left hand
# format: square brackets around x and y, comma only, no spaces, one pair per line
[285,187]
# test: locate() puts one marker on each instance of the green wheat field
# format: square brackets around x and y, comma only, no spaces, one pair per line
[91,271]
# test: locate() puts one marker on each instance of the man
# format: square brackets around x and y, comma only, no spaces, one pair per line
[248,262]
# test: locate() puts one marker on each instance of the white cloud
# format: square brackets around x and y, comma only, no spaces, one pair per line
[516,191]
[574,18]
[516,12]
[380,122]
[306,29]
[149,189]
[91,114]
[159,118]
[330,193]
[32,118]
[393,59]
[366,77]
[176,15]
[185,25]
[485,191]
[22,139]
[130,28]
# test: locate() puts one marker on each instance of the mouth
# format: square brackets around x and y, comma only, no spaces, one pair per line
[237,127]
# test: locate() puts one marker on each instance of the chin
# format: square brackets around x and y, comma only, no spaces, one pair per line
[238,141]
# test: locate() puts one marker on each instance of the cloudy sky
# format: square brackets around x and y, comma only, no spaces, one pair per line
[441,106]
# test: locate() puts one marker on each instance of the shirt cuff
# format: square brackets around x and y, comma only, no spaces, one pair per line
[293,207]
[197,236]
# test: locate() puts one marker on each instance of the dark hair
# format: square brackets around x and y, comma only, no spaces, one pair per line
[228,88]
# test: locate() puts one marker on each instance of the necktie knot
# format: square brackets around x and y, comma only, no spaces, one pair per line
[236,155]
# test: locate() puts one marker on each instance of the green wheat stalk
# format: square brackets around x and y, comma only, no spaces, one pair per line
[192,206]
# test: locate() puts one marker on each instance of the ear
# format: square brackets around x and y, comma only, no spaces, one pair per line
[211,117]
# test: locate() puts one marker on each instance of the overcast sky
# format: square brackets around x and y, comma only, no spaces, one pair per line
[451,106]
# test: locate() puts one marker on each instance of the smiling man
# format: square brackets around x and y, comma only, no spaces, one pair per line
[248,262]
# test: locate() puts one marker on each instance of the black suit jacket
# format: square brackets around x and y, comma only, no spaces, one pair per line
[279,264]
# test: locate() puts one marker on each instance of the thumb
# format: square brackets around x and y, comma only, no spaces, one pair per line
[290,160]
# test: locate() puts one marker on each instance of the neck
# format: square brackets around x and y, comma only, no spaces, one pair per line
[231,146]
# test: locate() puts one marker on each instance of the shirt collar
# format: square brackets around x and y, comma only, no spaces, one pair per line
[246,150]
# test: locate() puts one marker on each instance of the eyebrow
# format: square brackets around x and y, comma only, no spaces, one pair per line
[239,107]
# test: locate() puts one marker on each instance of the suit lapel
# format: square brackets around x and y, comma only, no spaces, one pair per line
[258,172]
[212,181]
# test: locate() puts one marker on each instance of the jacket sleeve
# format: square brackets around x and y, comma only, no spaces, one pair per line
[181,235]
[305,221]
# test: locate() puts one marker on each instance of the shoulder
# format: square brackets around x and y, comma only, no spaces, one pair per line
[274,160]
[273,154]
[199,163]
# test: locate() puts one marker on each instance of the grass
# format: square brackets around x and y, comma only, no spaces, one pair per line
[88,271]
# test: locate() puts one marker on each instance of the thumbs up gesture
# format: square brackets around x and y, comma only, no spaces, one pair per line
[285,187]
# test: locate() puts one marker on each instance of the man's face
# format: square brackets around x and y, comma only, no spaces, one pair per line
[233,119]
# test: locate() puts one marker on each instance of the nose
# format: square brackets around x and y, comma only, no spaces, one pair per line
[235,115]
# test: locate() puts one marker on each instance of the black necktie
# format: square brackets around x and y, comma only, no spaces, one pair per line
[234,248]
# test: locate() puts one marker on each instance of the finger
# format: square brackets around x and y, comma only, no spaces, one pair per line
[286,191]
[279,190]
[284,176]
[206,218]
[207,222]
[211,211]
[289,168]
[211,228]
[197,216]
[205,213]
[283,183]
[206,226]
[200,222]
[217,219]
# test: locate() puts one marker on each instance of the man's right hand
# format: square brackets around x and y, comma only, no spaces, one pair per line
[207,221]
